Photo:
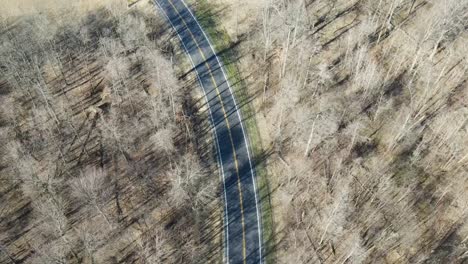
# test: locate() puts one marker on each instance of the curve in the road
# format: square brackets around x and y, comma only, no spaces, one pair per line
[242,227]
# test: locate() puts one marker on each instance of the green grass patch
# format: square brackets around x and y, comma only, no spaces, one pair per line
[222,42]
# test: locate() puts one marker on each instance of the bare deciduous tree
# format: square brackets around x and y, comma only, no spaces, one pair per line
[90,187]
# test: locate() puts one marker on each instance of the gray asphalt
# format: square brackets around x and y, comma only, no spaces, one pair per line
[242,232]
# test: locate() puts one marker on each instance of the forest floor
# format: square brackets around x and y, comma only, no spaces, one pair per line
[360,105]
[105,156]
[363,107]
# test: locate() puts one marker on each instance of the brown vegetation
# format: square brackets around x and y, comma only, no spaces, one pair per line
[364,104]
[101,162]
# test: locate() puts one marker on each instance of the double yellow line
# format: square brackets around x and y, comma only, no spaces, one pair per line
[228,126]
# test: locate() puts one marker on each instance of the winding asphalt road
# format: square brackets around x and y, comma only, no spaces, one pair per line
[242,228]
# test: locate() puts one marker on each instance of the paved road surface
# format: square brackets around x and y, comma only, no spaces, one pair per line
[242,230]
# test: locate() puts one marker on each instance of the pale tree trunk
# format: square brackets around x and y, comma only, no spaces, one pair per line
[267,76]
[98,208]
[46,97]
[306,153]
[285,56]
[353,139]
[328,224]
[266,30]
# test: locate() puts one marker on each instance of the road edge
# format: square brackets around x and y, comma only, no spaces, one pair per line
[222,41]
[183,48]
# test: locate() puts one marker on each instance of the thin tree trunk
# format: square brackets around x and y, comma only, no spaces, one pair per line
[328,224]
[306,153]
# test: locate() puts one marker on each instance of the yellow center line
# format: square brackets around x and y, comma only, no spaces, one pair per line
[229,131]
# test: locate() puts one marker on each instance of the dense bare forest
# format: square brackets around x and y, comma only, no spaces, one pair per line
[100,157]
[364,106]
[361,106]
